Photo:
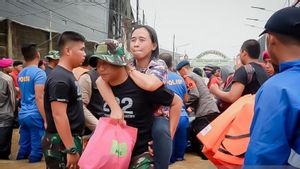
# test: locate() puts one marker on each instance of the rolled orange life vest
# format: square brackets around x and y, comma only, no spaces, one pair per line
[226,139]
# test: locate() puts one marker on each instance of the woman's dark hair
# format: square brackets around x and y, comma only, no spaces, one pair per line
[167,58]
[153,37]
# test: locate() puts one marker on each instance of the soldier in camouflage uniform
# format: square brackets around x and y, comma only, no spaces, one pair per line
[53,59]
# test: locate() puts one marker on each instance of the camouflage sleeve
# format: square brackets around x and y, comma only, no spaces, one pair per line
[159,69]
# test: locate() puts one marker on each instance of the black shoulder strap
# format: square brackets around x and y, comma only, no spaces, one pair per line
[260,77]
[250,71]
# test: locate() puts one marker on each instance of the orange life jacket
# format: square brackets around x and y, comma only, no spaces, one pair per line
[226,139]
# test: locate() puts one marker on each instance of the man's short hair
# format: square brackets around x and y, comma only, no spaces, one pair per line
[198,71]
[252,47]
[29,52]
[287,40]
[68,36]
[17,63]
[167,58]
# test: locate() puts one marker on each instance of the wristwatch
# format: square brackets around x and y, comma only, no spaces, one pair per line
[72,150]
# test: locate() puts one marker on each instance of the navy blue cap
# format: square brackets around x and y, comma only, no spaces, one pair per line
[286,21]
[181,64]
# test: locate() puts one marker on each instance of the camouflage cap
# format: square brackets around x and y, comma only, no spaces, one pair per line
[112,52]
[53,54]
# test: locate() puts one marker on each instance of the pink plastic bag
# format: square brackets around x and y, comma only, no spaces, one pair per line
[110,146]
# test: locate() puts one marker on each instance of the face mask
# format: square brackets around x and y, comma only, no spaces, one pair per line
[208,74]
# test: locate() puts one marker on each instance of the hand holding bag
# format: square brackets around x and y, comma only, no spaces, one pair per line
[110,147]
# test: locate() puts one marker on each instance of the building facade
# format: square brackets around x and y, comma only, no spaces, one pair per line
[41,22]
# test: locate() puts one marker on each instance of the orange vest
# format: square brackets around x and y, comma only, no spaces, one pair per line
[226,139]
[189,82]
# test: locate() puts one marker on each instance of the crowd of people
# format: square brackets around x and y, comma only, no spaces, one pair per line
[56,102]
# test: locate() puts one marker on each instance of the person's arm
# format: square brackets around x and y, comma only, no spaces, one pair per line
[59,97]
[240,79]
[185,91]
[235,92]
[156,75]
[193,96]
[61,121]
[39,85]
[85,84]
[108,96]
[147,82]
[186,97]
[59,113]
[175,110]
[193,93]
[39,99]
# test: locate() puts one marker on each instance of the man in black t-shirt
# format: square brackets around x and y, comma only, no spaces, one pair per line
[248,78]
[63,106]
[137,104]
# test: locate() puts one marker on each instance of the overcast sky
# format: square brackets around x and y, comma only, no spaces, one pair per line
[201,25]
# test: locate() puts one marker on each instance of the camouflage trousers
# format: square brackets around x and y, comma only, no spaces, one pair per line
[54,150]
[142,161]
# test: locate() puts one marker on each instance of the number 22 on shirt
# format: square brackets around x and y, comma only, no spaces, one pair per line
[126,101]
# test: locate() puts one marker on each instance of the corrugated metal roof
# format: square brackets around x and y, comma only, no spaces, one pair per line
[90,18]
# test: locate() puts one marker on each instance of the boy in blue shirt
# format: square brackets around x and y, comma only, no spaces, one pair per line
[32,115]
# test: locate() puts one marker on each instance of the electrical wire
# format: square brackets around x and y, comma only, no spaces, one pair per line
[45,11]
[6,11]
[63,25]
[46,41]
[29,11]
[298,1]
[65,18]
[71,20]
[97,3]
